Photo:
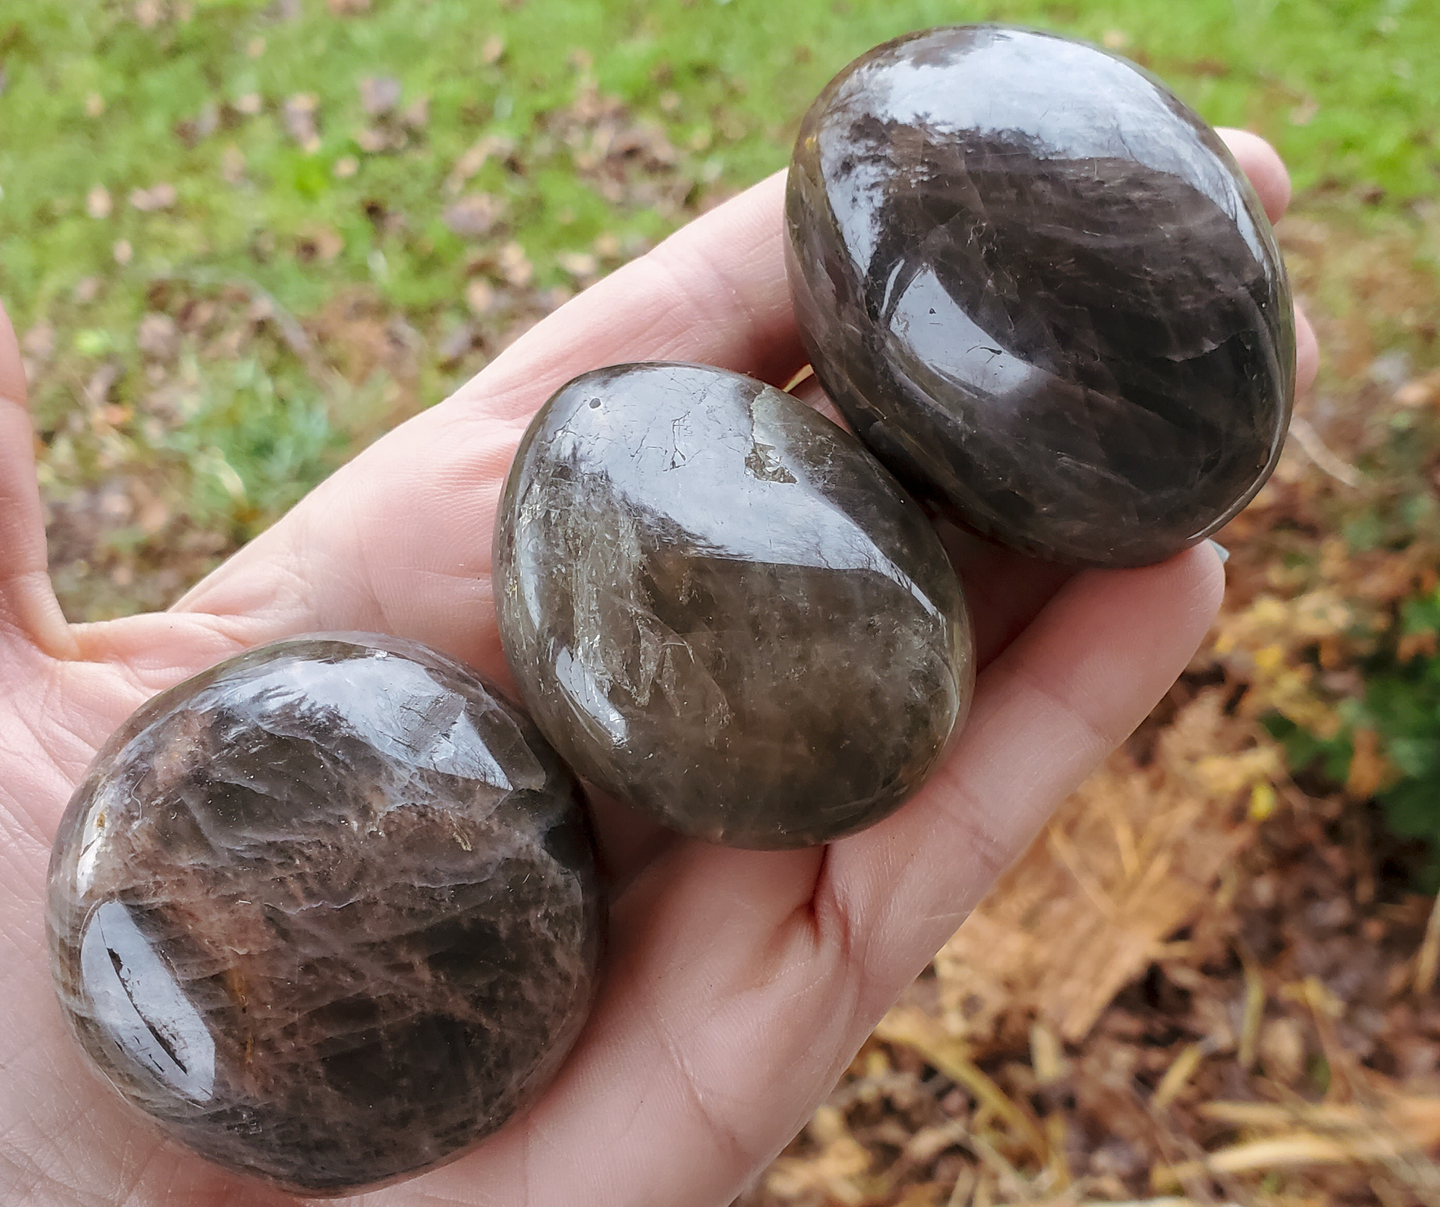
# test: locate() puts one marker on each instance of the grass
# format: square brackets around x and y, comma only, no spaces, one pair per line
[1344,88]
[252,113]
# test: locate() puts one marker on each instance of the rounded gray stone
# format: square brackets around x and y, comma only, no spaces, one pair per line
[327,912]
[721,609]
[1040,288]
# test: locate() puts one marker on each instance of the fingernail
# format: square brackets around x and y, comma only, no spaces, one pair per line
[1220,551]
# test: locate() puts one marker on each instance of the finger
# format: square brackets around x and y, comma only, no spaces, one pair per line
[1055,703]
[28,607]
[1266,170]
[1004,590]
[400,540]
[1263,165]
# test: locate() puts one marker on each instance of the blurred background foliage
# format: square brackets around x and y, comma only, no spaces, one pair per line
[242,238]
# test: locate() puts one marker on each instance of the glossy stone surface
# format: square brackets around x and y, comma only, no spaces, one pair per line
[721,609]
[327,912]
[1041,290]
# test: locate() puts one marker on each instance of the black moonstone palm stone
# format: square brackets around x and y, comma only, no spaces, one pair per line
[721,609]
[327,912]
[1039,287]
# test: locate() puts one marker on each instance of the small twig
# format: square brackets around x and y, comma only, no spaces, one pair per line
[1318,452]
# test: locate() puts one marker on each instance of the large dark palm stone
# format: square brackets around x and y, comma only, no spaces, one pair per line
[328,911]
[720,608]
[1041,290]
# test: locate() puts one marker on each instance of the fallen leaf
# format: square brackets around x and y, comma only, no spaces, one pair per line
[300,114]
[192,130]
[417,114]
[158,337]
[158,197]
[371,140]
[578,263]
[1282,1049]
[456,344]
[474,159]
[473,215]
[480,297]
[1420,391]
[1368,766]
[321,243]
[379,94]
[515,265]
[98,203]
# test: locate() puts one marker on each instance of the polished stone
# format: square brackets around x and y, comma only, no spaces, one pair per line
[327,912]
[1041,290]
[721,609]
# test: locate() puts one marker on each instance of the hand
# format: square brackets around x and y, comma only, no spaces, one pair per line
[739,983]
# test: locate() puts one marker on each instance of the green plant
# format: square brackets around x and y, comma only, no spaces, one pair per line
[1401,709]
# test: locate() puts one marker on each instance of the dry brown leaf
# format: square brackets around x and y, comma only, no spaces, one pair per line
[473,215]
[578,263]
[474,159]
[301,112]
[379,94]
[515,265]
[158,337]
[157,197]
[98,203]
[480,297]
[1369,768]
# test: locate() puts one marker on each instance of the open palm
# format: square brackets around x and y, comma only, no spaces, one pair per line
[739,983]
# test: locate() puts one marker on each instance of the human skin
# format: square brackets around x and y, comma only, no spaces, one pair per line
[739,983]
